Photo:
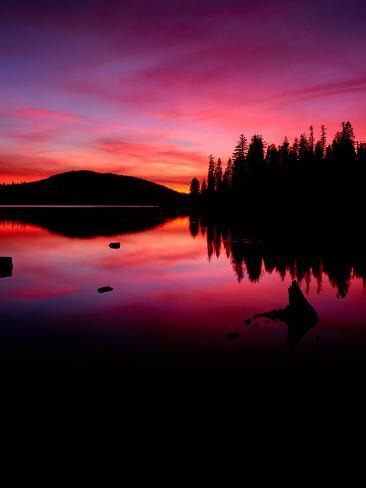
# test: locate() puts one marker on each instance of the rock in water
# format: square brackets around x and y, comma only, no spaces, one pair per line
[115,245]
[6,267]
[105,289]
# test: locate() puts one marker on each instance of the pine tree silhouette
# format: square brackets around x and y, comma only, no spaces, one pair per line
[305,162]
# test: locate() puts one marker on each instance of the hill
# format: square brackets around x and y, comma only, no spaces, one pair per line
[90,188]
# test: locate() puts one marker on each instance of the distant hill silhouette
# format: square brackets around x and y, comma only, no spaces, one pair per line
[91,188]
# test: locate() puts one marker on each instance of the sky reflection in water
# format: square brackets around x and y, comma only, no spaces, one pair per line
[169,291]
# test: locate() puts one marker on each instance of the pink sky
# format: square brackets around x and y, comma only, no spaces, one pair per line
[151,88]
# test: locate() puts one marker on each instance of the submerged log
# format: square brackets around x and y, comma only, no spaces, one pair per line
[6,267]
[299,315]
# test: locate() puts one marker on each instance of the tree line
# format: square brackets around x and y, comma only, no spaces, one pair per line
[305,161]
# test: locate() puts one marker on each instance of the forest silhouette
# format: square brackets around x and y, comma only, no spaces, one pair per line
[256,166]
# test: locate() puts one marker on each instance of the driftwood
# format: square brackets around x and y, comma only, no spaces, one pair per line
[299,315]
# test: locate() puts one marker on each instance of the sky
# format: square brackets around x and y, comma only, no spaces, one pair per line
[151,88]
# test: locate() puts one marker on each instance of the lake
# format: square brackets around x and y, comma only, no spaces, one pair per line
[183,300]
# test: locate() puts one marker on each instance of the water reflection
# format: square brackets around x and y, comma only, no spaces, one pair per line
[305,261]
[85,222]
[169,305]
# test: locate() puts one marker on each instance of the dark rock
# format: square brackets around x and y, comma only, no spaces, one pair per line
[115,245]
[6,267]
[104,289]
[233,335]
[247,321]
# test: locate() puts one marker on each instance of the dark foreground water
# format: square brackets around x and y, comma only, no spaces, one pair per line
[182,306]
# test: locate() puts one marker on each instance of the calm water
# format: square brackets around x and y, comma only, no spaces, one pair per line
[179,291]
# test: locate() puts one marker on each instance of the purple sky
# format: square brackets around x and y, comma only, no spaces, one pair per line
[151,88]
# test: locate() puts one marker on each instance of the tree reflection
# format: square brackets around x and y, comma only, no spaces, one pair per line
[252,257]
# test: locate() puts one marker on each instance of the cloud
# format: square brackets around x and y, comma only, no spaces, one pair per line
[17,167]
[326,89]
[29,136]
[160,162]
[148,152]
[41,113]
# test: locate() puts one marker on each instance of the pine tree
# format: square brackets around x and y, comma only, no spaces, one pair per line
[211,175]
[318,152]
[218,176]
[228,176]
[272,158]
[239,168]
[348,135]
[361,152]
[194,189]
[295,148]
[241,148]
[255,157]
[311,139]
[361,159]
[319,167]
[323,138]
[284,154]
[304,149]
[329,153]
[273,163]
[343,152]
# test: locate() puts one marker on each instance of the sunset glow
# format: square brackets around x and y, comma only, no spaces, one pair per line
[149,89]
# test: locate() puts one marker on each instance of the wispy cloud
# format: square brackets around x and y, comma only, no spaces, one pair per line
[42,113]
[326,89]
[17,167]
[148,152]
